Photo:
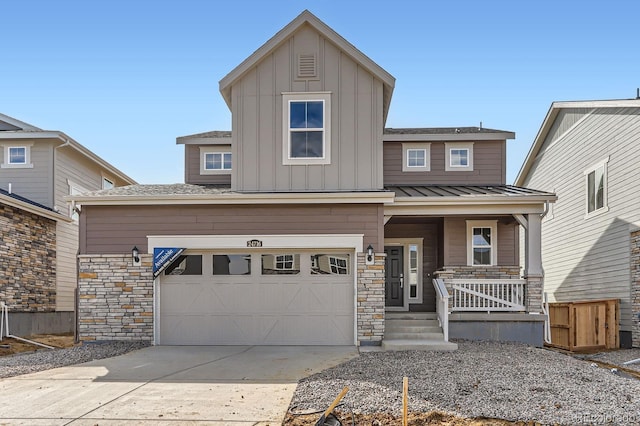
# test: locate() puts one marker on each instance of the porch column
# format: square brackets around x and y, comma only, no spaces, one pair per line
[533,272]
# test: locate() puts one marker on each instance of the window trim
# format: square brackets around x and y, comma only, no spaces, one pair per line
[493,224]
[27,156]
[109,179]
[448,146]
[73,214]
[204,150]
[605,185]
[406,147]
[287,98]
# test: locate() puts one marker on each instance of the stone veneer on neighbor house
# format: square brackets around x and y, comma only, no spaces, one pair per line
[27,261]
[115,298]
[370,300]
[635,288]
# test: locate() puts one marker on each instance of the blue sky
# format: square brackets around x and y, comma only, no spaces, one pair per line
[125,78]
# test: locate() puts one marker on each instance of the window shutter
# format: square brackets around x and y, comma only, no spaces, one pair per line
[307,66]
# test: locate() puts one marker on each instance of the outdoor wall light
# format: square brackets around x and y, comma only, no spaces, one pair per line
[135,254]
[370,253]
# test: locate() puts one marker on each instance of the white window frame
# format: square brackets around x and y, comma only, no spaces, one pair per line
[75,189]
[604,164]
[449,167]
[204,150]
[287,98]
[282,258]
[107,182]
[27,156]
[407,147]
[493,225]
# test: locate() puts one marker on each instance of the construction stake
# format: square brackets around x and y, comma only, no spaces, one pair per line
[405,401]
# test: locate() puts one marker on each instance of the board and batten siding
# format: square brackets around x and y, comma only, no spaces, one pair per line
[455,241]
[589,258]
[34,183]
[489,166]
[356,121]
[192,161]
[116,229]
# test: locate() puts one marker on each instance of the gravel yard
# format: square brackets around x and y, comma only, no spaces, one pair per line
[44,359]
[481,379]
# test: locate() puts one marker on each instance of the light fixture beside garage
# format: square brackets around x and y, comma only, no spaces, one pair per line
[369,255]
[135,254]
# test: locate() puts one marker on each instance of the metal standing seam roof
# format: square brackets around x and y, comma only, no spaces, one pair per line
[433,191]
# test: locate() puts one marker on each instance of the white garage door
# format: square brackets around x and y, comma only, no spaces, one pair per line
[292,298]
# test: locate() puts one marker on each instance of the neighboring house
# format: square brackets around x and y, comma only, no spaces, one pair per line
[310,223]
[38,168]
[587,153]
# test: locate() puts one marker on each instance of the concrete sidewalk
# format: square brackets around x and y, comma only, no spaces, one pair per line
[195,385]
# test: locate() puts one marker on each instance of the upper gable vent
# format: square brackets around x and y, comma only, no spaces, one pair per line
[307,67]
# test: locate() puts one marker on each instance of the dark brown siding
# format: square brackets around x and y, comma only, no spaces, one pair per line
[116,229]
[455,244]
[192,169]
[489,166]
[430,234]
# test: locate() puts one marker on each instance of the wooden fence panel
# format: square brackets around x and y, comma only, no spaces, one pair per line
[583,326]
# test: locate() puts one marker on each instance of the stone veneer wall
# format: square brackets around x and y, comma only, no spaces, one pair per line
[635,288]
[27,261]
[370,300]
[115,298]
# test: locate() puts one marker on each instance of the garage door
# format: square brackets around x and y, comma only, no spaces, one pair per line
[292,298]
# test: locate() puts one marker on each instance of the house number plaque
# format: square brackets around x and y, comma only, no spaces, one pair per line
[254,243]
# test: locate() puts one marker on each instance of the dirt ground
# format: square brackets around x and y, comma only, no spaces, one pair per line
[17,346]
[413,419]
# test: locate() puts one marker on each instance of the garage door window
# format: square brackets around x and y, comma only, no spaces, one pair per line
[280,264]
[231,264]
[332,264]
[190,264]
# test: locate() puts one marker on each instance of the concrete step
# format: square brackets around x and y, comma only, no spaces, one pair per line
[418,345]
[403,328]
[410,315]
[396,335]
[411,323]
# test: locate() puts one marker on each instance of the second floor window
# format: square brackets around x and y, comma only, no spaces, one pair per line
[306,128]
[597,188]
[17,155]
[459,157]
[217,161]
[416,157]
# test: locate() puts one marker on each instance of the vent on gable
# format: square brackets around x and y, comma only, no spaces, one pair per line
[307,66]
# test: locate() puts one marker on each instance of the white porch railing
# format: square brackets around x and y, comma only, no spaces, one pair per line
[488,295]
[442,306]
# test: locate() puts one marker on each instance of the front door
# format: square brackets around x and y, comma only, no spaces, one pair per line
[394,276]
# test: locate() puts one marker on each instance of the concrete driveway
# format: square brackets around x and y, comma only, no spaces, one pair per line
[195,385]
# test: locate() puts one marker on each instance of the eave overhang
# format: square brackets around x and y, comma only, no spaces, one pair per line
[448,137]
[474,205]
[10,201]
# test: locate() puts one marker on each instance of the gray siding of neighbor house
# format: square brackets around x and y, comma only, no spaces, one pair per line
[455,241]
[589,258]
[71,167]
[489,166]
[116,229]
[34,183]
[356,121]
[192,160]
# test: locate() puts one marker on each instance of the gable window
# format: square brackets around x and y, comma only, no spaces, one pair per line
[75,189]
[482,237]
[306,128]
[17,156]
[596,178]
[107,183]
[459,156]
[217,161]
[416,157]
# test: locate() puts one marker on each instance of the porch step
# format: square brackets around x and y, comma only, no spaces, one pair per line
[414,331]
[420,345]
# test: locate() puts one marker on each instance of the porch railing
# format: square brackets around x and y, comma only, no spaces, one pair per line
[487,295]
[442,306]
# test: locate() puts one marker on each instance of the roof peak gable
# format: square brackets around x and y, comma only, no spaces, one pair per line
[308,18]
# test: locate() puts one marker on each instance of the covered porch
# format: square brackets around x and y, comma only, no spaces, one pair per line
[456,252]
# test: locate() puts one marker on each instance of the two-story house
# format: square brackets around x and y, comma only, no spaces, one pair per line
[591,237]
[310,223]
[39,247]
